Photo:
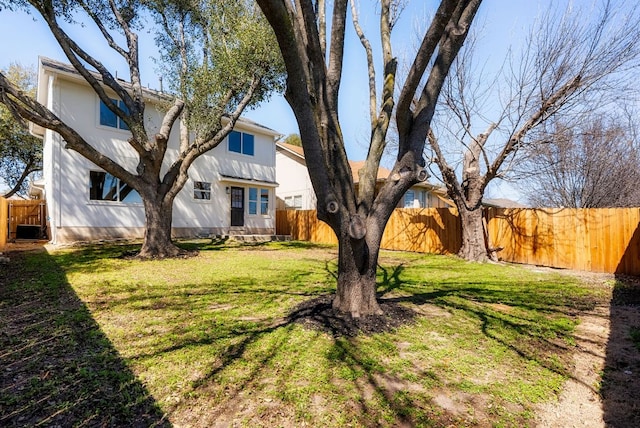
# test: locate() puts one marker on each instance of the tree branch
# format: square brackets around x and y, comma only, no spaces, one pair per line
[373,97]
[35,112]
[420,63]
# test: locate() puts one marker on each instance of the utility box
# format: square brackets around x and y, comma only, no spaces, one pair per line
[28,231]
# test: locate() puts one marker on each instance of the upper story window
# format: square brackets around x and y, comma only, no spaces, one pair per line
[202,190]
[241,142]
[105,187]
[109,118]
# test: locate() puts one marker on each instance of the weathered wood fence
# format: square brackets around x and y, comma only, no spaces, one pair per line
[30,215]
[598,240]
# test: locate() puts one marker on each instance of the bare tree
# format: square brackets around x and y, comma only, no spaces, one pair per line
[204,98]
[595,165]
[572,63]
[314,66]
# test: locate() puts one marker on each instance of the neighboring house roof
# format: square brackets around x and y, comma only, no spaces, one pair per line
[291,149]
[70,72]
[502,203]
[356,166]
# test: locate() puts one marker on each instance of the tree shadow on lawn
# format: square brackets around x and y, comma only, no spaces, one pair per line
[532,320]
[57,368]
[520,331]
[620,389]
[266,361]
[545,343]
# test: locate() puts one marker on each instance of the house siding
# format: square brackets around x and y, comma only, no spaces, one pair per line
[74,217]
[293,179]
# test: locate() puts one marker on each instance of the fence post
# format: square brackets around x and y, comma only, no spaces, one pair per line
[4,223]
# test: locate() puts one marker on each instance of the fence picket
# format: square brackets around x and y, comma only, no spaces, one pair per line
[599,240]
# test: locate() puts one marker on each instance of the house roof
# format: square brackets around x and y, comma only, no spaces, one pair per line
[356,166]
[297,151]
[67,70]
[246,180]
[70,72]
[502,203]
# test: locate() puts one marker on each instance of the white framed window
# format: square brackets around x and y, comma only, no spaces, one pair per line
[253,201]
[422,199]
[109,118]
[105,187]
[264,201]
[258,201]
[241,142]
[202,190]
[409,198]
[293,202]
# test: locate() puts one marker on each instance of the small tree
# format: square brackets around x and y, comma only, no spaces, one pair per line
[572,65]
[593,165]
[313,56]
[204,55]
[294,140]
[20,152]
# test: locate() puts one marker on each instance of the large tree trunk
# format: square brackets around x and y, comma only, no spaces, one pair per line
[356,292]
[357,264]
[473,242]
[157,236]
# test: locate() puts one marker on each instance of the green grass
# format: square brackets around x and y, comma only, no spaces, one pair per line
[207,338]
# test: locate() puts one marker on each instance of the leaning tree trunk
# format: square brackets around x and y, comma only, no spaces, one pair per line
[473,243]
[357,264]
[157,235]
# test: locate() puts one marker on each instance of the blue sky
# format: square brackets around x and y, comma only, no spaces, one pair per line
[503,22]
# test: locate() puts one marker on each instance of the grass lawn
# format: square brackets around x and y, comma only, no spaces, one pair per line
[90,337]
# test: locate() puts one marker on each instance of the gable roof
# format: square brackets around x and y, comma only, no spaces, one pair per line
[502,203]
[356,166]
[69,72]
[296,151]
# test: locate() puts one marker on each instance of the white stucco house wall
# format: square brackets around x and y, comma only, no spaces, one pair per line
[236,179]
[296,192]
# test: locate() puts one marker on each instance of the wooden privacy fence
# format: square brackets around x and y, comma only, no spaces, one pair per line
[594,239]
[429,230]
[598,240]
[22,219]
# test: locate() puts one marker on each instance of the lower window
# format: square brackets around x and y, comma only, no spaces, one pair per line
[105,187]
[258,199]
[293,202]
[202,190]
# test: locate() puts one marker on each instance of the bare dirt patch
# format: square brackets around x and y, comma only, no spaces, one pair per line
[318,314]
[604,388]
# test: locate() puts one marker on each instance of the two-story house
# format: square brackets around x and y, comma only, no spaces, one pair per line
[231,189]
